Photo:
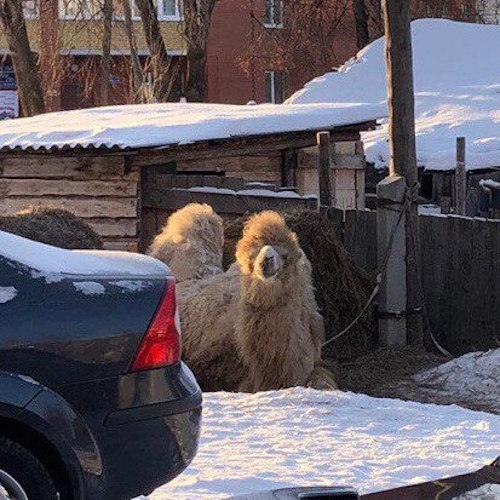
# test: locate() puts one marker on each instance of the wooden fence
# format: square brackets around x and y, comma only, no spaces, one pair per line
[460,263]
[163,194]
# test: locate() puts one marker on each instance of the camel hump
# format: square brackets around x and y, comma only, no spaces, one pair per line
[191,242]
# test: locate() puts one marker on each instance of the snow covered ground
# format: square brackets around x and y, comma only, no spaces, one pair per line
[301,437]
[457,92]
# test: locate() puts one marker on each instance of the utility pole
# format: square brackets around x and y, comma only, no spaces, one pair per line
[403,164]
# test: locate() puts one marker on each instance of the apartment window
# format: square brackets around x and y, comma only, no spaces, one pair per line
[168,10]
[119,14]
[273,17]
[31,9]
[275,88]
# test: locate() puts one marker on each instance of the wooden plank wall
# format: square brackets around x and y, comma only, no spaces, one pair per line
[461,279]
[159,201]
[460,273]
[264,167]
[99,190]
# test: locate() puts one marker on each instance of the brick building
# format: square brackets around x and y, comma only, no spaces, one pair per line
[257,49]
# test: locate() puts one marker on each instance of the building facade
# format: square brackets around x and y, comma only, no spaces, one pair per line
[67,39]
[258,50]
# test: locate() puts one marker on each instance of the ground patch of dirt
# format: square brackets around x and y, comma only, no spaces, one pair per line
[389,373]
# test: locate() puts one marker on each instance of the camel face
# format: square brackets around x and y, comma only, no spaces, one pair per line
[270,263]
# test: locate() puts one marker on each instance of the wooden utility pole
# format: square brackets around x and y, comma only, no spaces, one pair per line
[460,179]
[325,189]
[401,102]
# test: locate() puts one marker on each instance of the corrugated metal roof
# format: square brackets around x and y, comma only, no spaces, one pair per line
[121,128]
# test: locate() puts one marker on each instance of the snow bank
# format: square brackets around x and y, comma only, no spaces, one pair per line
[53,263]
[457,92]
[302,437]
[472,376]
[486,492]
[165,124]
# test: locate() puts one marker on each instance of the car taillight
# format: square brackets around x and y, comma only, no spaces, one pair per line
[161,345]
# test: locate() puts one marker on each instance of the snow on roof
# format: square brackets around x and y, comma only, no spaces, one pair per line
[165,124]
[457,92]
[54,263]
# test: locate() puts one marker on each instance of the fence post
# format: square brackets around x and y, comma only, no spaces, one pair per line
[325,188]
[460,178]
[391,255]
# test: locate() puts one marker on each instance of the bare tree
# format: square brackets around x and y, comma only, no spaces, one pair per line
[306,40]
[361,19]
[165,68]
[197,22]
[50,67]
[107,11]
[489,11]
[459,10]
[137,76]
[28,81]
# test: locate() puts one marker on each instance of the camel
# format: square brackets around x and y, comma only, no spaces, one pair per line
[255,327]
[191,242]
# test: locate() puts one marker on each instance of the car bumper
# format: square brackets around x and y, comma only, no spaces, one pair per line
[141,455]
[146,426]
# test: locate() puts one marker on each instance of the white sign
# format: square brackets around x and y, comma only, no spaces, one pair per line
[9,104]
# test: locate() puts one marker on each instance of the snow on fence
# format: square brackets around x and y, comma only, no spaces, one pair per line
[460,273]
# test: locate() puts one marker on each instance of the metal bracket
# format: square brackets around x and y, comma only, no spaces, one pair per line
[399,314]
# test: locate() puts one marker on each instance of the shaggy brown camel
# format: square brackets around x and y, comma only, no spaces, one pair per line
[255,327]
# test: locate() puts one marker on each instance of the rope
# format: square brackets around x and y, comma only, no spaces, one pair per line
[380,274]
[410,196]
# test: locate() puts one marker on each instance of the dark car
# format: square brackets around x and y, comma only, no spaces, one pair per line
[94,400]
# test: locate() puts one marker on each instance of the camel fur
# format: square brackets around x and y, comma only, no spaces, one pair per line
[191,242]
[279,331]
[256,327]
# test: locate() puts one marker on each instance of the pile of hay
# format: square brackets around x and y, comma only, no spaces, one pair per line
[342,289]
[378,372]
[52,226]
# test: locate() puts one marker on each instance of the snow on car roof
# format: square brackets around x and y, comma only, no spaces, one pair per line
[55,263]
[167,124]
[457,92]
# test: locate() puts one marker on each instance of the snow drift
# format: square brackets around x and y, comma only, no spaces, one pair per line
[457,92]
[472,377]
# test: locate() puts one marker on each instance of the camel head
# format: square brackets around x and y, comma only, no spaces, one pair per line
[268,251]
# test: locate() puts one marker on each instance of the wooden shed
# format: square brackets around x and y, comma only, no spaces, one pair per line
[124,169]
